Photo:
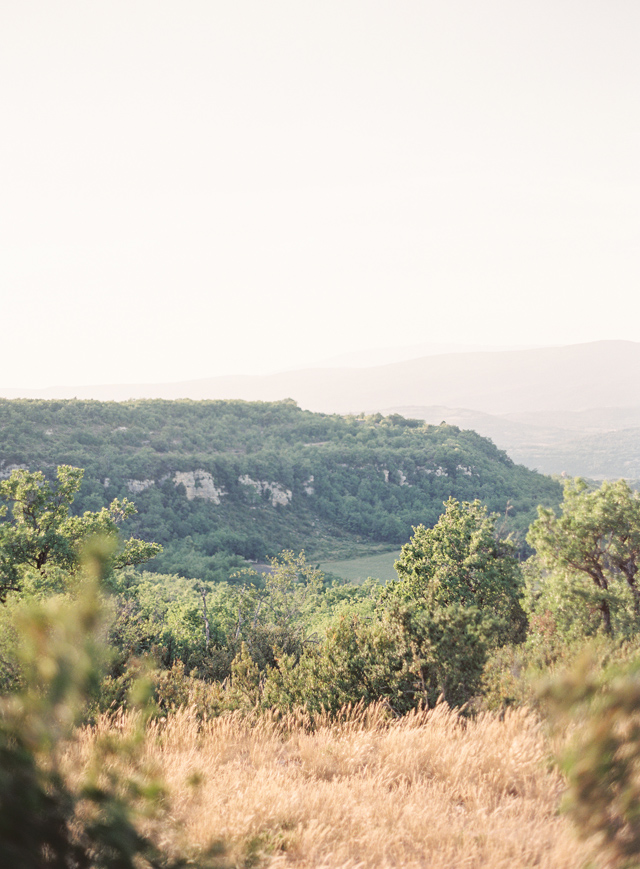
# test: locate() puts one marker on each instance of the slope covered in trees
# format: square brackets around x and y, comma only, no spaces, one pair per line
[213,479]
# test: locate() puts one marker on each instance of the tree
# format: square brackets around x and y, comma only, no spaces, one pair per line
[596,536]
[38,532]
[620,508]
[276,617]
[461,561]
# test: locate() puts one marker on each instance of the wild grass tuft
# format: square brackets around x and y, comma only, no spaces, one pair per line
[431,789]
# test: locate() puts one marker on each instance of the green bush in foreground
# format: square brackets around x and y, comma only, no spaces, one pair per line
[39,533]
[44,820]
[602,762]
[462,561]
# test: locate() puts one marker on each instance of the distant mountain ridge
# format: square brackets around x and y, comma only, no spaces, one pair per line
[541,405]
[570,378]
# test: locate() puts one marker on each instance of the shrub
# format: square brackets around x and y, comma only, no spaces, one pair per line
[602,760]
[44,819]
[407,657]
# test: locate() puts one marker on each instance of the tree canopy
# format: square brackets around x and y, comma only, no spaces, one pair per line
[37,530]
[461,561]
[596,537]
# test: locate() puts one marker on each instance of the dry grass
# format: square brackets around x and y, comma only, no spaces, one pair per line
[430,790]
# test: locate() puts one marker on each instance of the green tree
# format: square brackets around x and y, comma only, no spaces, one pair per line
[596,537]
[38,531]
[407,657]
[462,561]
[276,617]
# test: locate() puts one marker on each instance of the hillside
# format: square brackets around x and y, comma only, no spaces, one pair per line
[533,403]
[217,479]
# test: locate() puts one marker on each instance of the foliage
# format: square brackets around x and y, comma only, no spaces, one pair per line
[408,657]
[288,643]
[513,673]
[40,532]
[568,605]
[275,617]
[602,760]
[462,561]
[589,556]
[198,629]
[353,481]
[44,820]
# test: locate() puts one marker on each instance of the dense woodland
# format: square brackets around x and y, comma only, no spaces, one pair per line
[325,483]
[91,627]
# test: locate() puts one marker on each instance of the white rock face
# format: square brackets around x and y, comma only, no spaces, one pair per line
[401,477]
[308,486]
[468,472]
[199,484]
[137,486]
[277,492]
[280,495]
[245,480]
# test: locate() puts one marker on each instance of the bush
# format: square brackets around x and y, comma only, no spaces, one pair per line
[46,820]
[407,657]
[602,760]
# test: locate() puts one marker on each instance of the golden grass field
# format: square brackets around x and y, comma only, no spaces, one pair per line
[430,790]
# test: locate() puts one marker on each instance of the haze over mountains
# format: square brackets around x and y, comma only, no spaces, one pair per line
[547,407]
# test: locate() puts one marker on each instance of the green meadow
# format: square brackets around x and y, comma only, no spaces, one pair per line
[357,570]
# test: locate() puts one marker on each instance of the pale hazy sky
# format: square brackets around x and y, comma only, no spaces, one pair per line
[197,187]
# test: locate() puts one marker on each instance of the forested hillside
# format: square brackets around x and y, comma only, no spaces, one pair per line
[213,479]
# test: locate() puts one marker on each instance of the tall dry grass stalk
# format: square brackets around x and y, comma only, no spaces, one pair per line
[431,789]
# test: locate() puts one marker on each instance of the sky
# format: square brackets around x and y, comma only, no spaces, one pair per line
[190,188]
